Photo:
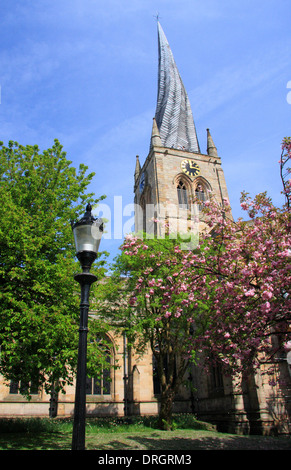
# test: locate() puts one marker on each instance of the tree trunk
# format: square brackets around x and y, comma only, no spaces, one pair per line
[166,410]
[170,372]
[53,409]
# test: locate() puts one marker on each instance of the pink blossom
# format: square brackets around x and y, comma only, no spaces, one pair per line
[250,293]
[132,300]
[267,295]
[266,307]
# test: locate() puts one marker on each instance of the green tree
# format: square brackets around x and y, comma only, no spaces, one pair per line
[40,193]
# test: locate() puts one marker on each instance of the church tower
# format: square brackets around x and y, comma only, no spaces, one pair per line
[175,172]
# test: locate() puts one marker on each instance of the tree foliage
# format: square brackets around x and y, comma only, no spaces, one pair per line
[40,194]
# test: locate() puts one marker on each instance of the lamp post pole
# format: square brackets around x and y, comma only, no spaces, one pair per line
[87,233]
[78,441]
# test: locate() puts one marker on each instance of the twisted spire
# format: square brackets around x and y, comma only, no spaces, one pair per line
[173,112]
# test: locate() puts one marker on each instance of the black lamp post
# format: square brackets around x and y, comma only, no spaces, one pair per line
[87,234]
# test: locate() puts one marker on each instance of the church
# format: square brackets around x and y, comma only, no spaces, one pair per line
[174,172]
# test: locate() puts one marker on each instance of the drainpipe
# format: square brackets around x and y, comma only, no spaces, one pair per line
[125,376]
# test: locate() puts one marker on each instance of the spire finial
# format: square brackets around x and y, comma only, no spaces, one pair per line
[137,169]
[157,16]
[156,138]
[211,149]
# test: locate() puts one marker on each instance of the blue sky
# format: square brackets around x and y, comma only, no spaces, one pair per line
[85,72]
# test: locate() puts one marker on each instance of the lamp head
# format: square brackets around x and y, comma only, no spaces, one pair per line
[87,234]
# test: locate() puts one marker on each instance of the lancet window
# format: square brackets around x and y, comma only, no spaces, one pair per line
[200,195]
[202,188]
[101,385]
[182,195]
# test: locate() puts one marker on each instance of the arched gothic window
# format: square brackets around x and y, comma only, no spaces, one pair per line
[182,195]
[101,385]
[200,194]
[216,385]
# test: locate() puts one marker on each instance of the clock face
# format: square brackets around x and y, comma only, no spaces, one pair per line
[190,168]
[142,183]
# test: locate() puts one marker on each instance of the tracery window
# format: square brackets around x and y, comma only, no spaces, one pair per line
[216,380]
[100,385]
[182,195]
[200,195]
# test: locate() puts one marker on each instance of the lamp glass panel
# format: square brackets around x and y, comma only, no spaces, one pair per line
[87,238]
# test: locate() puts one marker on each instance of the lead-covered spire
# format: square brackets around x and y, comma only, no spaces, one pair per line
[173,113]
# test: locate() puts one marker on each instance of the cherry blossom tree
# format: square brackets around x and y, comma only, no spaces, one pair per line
[248,265]
[150,300]
[223,300]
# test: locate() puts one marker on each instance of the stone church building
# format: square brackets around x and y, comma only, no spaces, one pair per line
[172,175]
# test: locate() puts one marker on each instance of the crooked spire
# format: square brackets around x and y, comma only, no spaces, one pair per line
[173,113]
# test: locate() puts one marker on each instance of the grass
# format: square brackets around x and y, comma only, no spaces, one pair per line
[140,433]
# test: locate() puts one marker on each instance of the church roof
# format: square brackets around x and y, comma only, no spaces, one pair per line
[173,113]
